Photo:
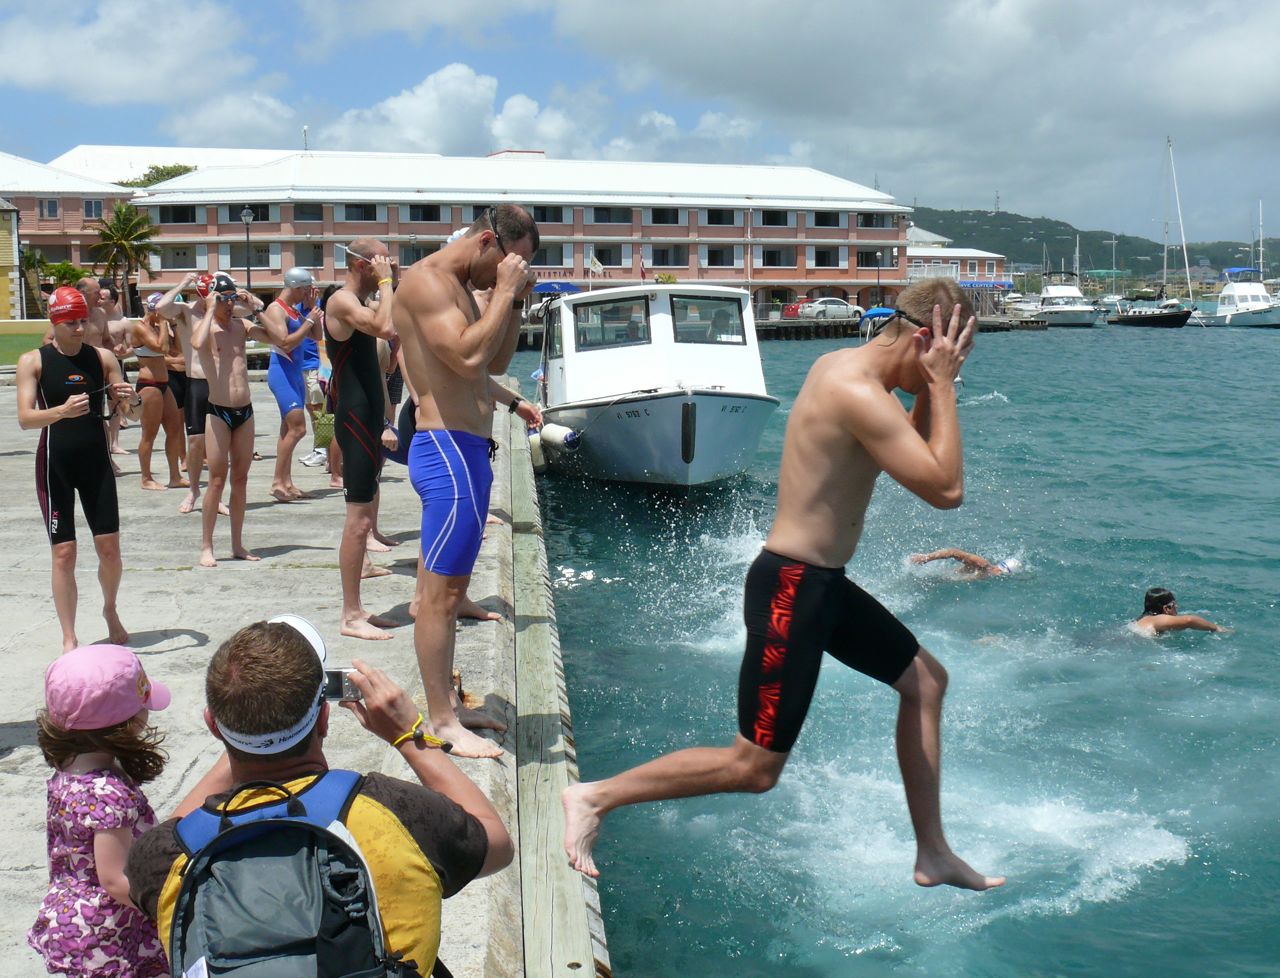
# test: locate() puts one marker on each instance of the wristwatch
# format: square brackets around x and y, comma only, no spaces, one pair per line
[515,403]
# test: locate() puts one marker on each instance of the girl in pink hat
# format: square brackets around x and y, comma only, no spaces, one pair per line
[94,733]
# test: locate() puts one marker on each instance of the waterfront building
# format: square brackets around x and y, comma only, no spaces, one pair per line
[10,275]
[783,232]
[981,274]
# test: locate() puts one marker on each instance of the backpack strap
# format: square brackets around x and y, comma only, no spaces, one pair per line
[324,801]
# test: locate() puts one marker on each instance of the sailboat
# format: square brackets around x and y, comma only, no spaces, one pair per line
[1244,300]
[1163,312]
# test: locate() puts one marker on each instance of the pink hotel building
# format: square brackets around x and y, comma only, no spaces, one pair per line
[781,231]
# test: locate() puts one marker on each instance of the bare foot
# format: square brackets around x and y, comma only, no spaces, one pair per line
[297,493]
[188,503]
[385,540]
[948,868]
[465,743]
[413,607]
[69,642]
[479,720]
[117,634]
[281,495]
[492,520]
[375,546]
[360,628]
[179,483]
[115,469]
[222,510]
[581,828]
[207,559]
[335,483]
[243,554]
[117,450]
[152,486]
[469,609]
[373,570]
[379,621]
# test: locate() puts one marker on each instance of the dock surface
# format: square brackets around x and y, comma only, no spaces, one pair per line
[536,917]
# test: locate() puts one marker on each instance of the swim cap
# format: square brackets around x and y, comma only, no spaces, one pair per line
[1010,565]
[153,300]
[223,284]
[297,277]
[202,285]
[67,305]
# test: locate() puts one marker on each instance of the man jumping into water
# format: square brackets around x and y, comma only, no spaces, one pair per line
[450,346]
[845,428]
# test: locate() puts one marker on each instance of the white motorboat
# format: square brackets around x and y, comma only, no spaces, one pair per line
[1060,303]
[659,384]
[1243,301]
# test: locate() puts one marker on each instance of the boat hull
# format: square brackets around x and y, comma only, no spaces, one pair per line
[1073,318]
[1162,319]
[1260,318]
[670,438]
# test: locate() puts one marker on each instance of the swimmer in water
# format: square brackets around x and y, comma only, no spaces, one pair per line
[971,565]
[1160,615]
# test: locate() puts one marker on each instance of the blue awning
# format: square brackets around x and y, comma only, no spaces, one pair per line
[556,288]
[986,285]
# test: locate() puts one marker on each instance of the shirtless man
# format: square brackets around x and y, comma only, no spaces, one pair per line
[62,387]
[1160,615]
[351,334]
[845,428]
[218,340]
[184,316]
[971,564]
[450,347]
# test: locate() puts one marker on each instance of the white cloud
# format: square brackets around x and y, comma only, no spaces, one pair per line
[473,23]
[82,52]
[237,119]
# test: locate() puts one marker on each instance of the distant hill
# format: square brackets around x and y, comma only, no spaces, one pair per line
[1024,239]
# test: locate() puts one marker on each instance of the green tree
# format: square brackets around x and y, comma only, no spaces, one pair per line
[64,273]
[125,247]
[665,278]
[157,173]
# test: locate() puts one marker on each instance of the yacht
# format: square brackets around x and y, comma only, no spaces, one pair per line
[1060,303]
[1243,301]
[658,384]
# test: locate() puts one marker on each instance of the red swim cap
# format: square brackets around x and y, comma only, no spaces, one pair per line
[202,285]
[67,305]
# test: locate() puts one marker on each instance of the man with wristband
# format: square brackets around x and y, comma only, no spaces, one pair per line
[422,841]
[457,321]
[351,333]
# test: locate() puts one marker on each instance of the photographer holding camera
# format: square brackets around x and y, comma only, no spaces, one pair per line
[266,694]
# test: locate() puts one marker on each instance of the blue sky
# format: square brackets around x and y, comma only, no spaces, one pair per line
[1062,108]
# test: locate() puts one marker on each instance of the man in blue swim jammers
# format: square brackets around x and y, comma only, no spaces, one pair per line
[456,317]
[295,310]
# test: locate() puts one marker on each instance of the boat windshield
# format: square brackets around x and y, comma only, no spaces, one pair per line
[708,319]
[613,322]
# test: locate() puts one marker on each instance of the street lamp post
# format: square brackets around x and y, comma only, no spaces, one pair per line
[1112,241]
[879,259]
[246,215]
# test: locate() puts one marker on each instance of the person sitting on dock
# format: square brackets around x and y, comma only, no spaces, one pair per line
[971,564]
[1160,615]
[846,427]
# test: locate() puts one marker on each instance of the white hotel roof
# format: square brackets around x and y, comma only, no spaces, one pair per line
[26,178]
[130,162]
[927,252]
[519,177]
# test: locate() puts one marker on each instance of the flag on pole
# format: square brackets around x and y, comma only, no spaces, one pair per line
[642,273]
[596,267]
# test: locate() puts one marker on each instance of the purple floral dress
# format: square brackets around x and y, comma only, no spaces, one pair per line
[80,930]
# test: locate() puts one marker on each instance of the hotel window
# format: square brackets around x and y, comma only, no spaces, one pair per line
[261,212]
[973,267]
[360,212]
[551,256]
[670,256]
[410,253]
[308,211]
[784,257]
[308,255]
[826,219]
[991,268]
[610,215]
[721,216]
[870,259]
[261,256]
[773,219]
[93,210]
[720,257]
[609,255]
[49,208]
[666,215]
[425,213]
[549,215]
[178,214]
[874,221]
[177,257]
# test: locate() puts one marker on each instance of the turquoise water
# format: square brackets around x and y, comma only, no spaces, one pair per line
[1127,786]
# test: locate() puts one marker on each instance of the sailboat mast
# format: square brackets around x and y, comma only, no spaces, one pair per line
[1262,268]
[1182,232]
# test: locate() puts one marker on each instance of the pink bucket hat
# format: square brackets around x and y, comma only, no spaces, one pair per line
[96,686]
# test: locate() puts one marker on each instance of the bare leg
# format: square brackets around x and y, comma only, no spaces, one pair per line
[919,743]
[356,621]
[433,639]
[695,771]
[65,593]
[113,430]
[110,570]
[195,466]
[241,459]
[470,609]
[152,413]
[335,464]
[217,439]
[174,440]
[292,428]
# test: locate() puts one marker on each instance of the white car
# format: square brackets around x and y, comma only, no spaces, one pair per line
[830,308]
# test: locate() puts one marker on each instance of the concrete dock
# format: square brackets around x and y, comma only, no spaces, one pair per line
[535,918]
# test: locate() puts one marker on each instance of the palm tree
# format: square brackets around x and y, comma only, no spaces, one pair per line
[125,245]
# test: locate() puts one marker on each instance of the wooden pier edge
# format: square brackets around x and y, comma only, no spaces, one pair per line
[560,909]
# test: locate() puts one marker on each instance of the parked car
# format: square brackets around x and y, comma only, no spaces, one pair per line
[830,308]
[792,309]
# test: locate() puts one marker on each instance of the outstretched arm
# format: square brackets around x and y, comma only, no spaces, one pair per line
[972,561]
[169,306]
[1177,623]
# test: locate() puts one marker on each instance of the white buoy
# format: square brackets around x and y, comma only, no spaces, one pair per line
[560,438]
[535,453]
